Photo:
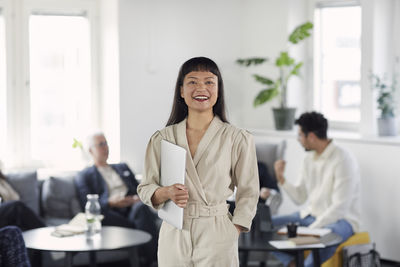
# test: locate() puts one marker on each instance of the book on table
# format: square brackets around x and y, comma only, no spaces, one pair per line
[306,231]
[305,240]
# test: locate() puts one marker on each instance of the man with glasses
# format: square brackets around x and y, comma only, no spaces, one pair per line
[329,181]
[115,184]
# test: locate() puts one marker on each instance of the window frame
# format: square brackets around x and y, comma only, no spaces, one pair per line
[334,124]
[16,13]
[374,15]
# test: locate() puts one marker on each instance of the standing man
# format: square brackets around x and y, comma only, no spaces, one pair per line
[116,186]
[329,180]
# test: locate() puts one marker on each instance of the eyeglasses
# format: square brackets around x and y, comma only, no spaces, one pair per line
[101,144]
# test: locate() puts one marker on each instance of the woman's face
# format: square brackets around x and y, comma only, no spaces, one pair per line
[200,90]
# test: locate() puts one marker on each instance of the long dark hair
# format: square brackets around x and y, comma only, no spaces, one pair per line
[179,108]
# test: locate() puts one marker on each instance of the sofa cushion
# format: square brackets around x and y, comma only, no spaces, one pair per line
[26,184]
[59,197]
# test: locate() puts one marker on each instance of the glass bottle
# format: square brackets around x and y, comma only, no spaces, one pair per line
[92,212]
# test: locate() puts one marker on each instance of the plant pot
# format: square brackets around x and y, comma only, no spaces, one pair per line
[387,126]
[284,118]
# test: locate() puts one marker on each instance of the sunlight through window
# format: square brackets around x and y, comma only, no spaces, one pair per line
[60,84]
[338,62]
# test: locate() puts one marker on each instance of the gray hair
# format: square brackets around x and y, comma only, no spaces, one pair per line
[90,139]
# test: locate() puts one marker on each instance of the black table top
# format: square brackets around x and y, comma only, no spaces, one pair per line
[110,238]
[259,241]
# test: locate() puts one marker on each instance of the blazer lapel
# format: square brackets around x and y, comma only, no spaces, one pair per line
[100,182]
[208,136]
[190,167]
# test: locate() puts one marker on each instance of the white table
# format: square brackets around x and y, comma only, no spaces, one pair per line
[110,238]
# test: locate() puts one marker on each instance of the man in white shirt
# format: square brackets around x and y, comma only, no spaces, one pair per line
[329,181]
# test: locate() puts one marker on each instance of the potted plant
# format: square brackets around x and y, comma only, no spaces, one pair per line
[386,104]
[288,67]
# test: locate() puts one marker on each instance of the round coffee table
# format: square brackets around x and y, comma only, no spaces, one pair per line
[110,238]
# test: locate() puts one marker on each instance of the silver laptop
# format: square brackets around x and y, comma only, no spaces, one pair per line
[173,168]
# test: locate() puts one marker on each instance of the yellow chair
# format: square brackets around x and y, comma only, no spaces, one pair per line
[356,239]
[337,259]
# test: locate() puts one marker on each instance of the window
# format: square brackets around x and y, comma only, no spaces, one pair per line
[60,83]
[337,61]
[49,94]
[3,82]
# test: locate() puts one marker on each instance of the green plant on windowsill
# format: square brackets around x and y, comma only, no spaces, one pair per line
[275,87]
[77,144]
[386,103]
[85,158]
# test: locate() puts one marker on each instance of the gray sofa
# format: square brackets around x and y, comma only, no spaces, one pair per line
[55,200]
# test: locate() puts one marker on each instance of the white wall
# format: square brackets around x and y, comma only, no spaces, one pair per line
[156,37]
[109,78]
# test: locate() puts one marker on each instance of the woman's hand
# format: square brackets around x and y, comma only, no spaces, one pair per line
[239,228]
[179,194]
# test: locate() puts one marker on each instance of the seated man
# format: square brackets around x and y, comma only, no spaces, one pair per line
[15,212]
[330,180]
[116,186]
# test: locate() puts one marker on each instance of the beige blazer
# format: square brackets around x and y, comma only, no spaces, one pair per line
[225,158]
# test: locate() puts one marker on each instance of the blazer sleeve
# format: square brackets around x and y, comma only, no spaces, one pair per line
[82,187]
[245,177]
[86,183]
[151,175]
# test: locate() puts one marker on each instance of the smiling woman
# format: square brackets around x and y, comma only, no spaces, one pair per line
[219,158]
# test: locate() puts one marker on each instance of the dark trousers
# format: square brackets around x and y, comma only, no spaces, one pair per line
[140,217]
[17,213]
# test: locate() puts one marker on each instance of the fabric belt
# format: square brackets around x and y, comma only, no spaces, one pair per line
[197,209]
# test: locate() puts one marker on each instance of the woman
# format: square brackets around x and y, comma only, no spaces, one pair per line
[13,211]
[219,157]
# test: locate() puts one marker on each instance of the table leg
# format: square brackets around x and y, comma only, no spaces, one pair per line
[134,257]
[68,259]
[317,259]
[300,258]
[244,258]
[92,258]
[35,257]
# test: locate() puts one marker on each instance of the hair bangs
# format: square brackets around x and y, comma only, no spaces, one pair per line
[199,64]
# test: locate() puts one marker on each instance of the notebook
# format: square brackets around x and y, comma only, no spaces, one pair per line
[306,231]
[173,167]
